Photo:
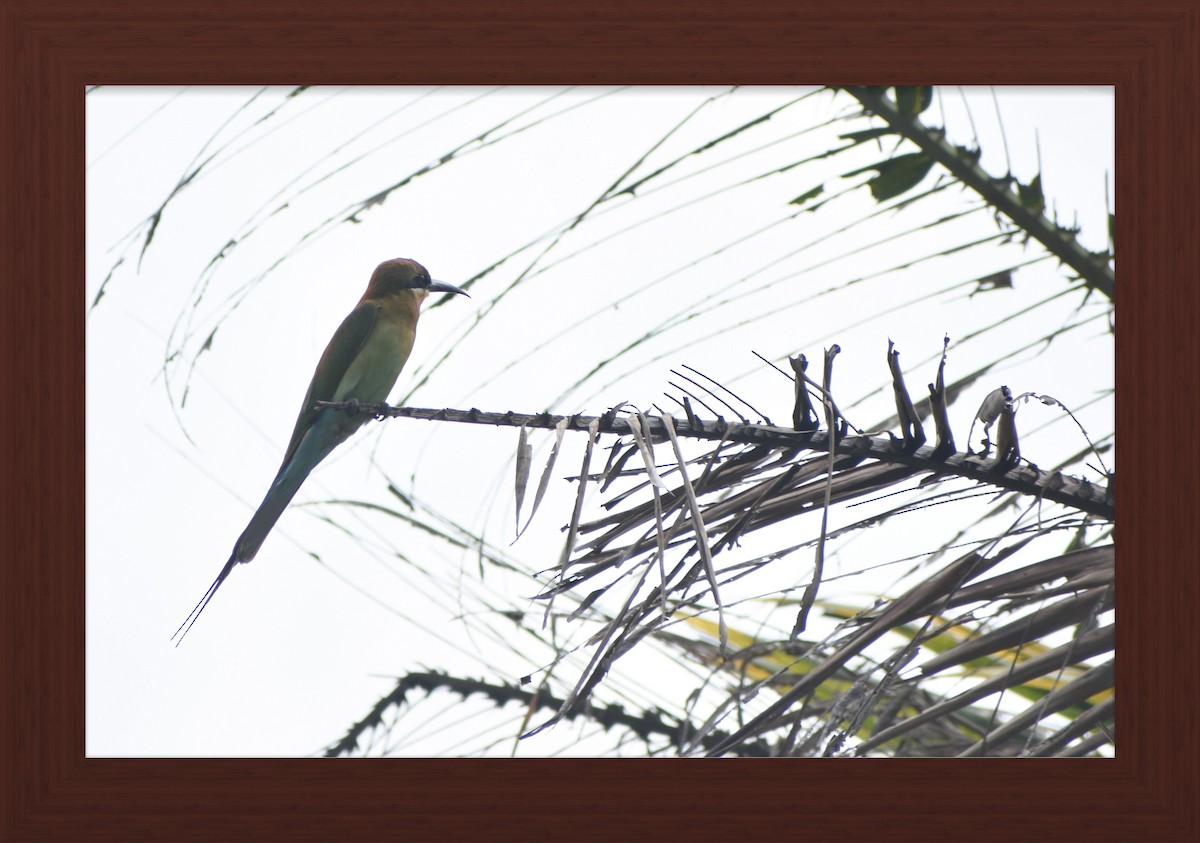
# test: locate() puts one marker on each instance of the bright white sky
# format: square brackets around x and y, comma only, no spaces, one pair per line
[292,651]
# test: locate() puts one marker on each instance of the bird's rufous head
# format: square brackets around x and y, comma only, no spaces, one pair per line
[398,274]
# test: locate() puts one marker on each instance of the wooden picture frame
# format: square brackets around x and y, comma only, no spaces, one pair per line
[51,50]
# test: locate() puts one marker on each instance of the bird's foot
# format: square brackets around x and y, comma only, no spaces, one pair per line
[353,408]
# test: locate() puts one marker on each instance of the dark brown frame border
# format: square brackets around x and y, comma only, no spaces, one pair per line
[51,48]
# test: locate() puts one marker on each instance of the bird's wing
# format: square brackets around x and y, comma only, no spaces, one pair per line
[347,342]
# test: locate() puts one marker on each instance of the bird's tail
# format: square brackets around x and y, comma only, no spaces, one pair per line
[278,497]
[325,434]
[194,615]
[286,484]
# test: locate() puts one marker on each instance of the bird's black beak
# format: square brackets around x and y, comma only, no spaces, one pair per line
[443,287]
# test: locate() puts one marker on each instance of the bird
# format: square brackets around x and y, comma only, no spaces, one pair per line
[360,365]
